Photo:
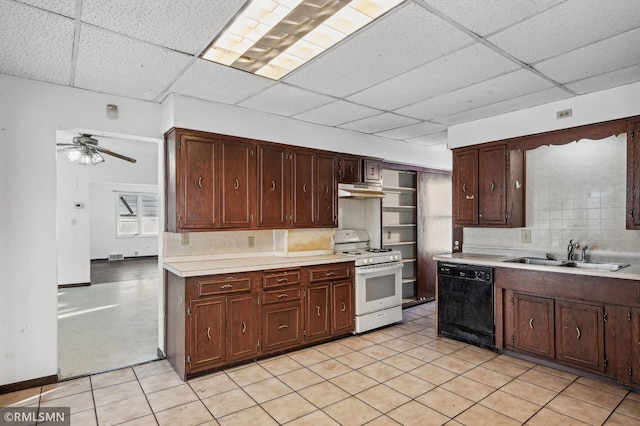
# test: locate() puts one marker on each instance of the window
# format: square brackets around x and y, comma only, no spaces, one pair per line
[137,214]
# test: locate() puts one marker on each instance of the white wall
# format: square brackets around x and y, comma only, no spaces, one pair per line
[30,113]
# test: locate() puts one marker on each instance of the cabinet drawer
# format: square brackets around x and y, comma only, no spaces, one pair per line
[284,295]
[282,278]
[222,285]
[330,273]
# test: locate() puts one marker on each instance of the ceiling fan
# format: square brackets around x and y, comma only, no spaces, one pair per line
[85,151]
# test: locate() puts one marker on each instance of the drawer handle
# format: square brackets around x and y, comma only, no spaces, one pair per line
[351,169]
[229,278]
[493,186]
[200,182]
[283,326]
[283,280]
[318,308]
[464,188]
[578,333]
[304,187]
[244,326]
[282,295]
[209,335]
[326,189]
[226,286]
[531,323]
[330,274]
[273,186]
[236,184]
[344,307]
[469,197]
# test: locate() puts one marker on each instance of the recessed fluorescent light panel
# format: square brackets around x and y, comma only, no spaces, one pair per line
[271,38]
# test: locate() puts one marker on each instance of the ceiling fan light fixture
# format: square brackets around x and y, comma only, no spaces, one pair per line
[299,29]
[85,156]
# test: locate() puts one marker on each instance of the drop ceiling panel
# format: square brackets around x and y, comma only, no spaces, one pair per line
[337,113]
[487,16]
[432,139]
[445,74]
[285,100]
[209,81]
[413,131]
[612,54]
[62,7]
[112,63]
[497,89]
[379,123]
[35,44]
[187,26]
[404,39]
[606,81]
[568,26]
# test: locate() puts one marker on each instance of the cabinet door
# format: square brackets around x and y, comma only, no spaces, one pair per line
[350,169]
[303,188]
[491,185]
[373,171]
[281,326]
[242,327]
[207,346]
[342,317]
[274,186]
[580,335]
[465,187]
[317,311]
[634,371]
[197,189]
[237,173]
[533,325]
[326,190]
[633,176]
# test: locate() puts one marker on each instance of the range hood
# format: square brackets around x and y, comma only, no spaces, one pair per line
[360,191]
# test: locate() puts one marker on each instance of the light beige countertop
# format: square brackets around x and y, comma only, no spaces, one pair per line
[193,268]
[631,272]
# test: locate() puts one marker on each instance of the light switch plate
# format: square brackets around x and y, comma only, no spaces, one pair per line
[525,235]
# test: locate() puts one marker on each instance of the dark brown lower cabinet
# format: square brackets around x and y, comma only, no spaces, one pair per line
[317,311]
[580,335]
[634,347]
[342,303]
[242,324]
[207,333]
[533,325]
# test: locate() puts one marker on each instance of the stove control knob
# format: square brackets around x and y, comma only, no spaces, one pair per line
[480,275]
[371,260]
[396,257]
[365,260]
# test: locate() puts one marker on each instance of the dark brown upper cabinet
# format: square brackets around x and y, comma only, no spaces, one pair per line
[633,175]
[350,169]
[274,186]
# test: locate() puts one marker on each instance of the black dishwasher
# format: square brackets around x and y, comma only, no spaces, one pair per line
[465,303]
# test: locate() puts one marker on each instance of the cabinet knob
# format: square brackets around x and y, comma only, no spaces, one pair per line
[200,182]
[351,169]
[273,186]
[304,187]
[318,309]
[464,188]
[226,286]
[531,323]
[578,334]
[493,186]
[283,280]
[209,335]
[236,184]
[469,197]
[344,307]
[244,326]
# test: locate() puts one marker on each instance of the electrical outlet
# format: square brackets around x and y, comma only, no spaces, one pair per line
[388,235]
[251,240]
[565,113]
[525,235]
[185,239]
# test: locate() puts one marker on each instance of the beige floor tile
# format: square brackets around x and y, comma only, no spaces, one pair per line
[333,349]
[330,368]
[115,393]
[556,372]
[445,346]
[630,408]
[144,421]
[288,407]
[378,352]
[409,385]
[356,360]
[76,402]
[453,423]
[356,342]
[85,418]
[411,326]
[122,411]
[433,374]
[280,365]
[229,402]
[482,416]
[152,368]
[383,421]
[66,388]
[453,364]
[172,397]
[399,344]
[267,390]
[212,385]
[351,412]
[633,395]
[354,382]
[248,374]
[617,419]
[397,331]
[191,414]
[593,396]
[545,380]
[383,398]
[515,360]
[160,381]
[316,418]
[424,354]
[488,377]
[510,406]
[403,362]
[323,394]
[377,337]
[468,388]
[380,371]
[529,392]
[308,357]
[112,378]
[418,339]
[578,409]
[416,414]
[470,354]
[300,379]
[445,402]
[250,416]
[505,367]
[616,390]
[546,417]
[21,398]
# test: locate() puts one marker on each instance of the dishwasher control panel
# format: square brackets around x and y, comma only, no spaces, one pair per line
[467,272]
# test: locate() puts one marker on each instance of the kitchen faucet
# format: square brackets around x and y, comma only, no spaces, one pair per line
[572,246]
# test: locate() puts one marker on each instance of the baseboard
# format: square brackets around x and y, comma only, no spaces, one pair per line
[161,354]
[27,384]
[73,285]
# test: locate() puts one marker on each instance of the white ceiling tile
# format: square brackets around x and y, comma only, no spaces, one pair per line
[402,40]
[606,81]
[379,123]
[566,27]
[62,7]
[440,76]
[413,130]
[432,139]
[512,85]
[614,53]
[285,100]
[514,104]
[488,16]
[112,63]
[337,113]
[218,83]
[35,44]
[187,25]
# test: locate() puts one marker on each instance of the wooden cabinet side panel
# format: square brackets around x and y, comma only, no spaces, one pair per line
[237,181]
[242,327]
[633,176]
[491,185]
[175,322]
[465,187]
[342,303]
[634,346]
[580,335]
[171,184]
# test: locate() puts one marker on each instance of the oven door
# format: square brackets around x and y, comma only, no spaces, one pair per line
[378,287]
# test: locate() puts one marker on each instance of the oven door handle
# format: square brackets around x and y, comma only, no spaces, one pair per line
[391,266]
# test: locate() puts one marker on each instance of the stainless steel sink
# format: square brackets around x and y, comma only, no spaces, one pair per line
[539,261]
[595,265]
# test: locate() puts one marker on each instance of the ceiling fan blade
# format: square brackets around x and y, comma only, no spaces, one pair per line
[114,154]
[69,148]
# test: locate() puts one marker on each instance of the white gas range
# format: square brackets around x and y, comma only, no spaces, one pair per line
[378,281]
